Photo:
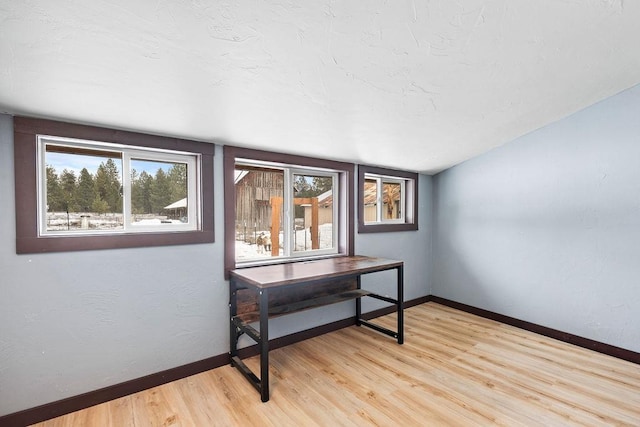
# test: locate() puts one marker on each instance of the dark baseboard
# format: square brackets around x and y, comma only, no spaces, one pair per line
[82,401]
[85,400]
[76,403]
[600,347]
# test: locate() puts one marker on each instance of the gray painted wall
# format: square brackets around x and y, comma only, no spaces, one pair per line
[547,228]
[76,322]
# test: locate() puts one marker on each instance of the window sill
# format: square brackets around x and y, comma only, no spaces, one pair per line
[386,228]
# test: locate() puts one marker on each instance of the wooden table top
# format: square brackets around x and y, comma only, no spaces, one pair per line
[269,276]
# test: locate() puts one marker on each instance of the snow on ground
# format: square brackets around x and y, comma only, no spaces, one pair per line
[62,221]
[157,221]
[246,250]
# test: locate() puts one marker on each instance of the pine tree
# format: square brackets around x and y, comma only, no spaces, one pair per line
[69,189]
[86,191]
[107,185]
[178,180]
[322,184]
[301,186]
[99,206]
[55,200]
[141,192]
[160,192]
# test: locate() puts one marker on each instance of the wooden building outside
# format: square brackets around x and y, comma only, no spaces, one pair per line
[254,190]
[390,201]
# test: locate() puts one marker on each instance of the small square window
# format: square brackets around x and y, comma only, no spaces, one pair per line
[387,200]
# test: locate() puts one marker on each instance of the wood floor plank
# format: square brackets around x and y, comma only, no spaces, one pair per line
[453,369]
[120,411]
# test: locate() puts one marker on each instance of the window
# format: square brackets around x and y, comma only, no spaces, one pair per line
[89,187]
[387,200]
[283,211]
[286,207]
[84,187]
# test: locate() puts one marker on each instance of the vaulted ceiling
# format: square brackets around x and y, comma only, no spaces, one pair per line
[418,85]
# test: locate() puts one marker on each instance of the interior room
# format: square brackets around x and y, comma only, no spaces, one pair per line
[486,151]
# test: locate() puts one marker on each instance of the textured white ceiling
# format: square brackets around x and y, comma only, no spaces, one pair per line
[418,85]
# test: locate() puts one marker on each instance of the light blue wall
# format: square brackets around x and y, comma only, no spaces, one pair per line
[547,228]
[78,321]
[75,322]
[412,247]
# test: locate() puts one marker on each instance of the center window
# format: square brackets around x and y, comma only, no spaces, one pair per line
[283,208]
[284,211]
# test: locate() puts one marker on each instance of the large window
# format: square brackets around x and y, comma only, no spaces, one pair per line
[90,187]
[93,188]
[286,207]
[387,200]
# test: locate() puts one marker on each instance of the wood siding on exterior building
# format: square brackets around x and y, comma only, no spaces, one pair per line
[253,194]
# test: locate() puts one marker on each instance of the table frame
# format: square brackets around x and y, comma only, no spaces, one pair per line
[265,278]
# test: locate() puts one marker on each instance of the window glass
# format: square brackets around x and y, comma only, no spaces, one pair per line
[259,219]
[283,212]
[91,187]
[391,197]
[387,200]
[159,192]
[370,200]
[274,196]
[383,199]
[83,189]
[314,217]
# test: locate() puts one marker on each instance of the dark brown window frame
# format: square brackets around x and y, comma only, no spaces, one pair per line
[411,220]
[346,183]
[26,131]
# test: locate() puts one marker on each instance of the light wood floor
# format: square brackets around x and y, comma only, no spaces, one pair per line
[454,369]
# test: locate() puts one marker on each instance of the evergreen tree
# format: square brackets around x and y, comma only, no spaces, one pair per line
[69,189]
[141,192]
[160,192]
[107,185]
[310,186]
[178,180]
[55,199]
[322,184]
[301,186]
[86,191]
[136,200]
[99,206]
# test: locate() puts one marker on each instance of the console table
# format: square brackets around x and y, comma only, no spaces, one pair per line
[286,288]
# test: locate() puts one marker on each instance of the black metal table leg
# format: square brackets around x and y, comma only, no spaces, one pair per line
[233,311]
[358,302]
[264,345]
[400,305]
